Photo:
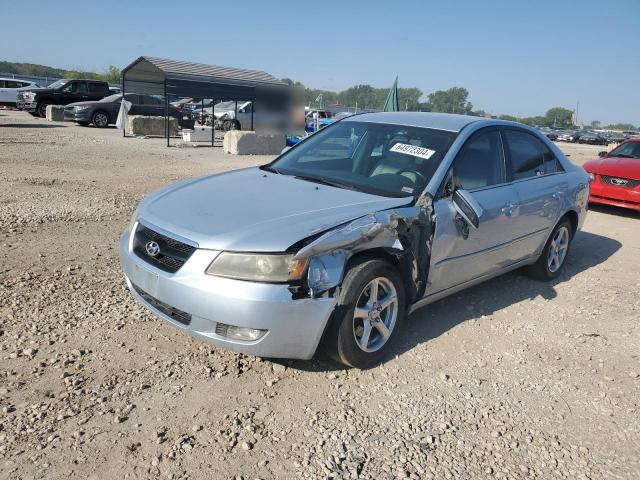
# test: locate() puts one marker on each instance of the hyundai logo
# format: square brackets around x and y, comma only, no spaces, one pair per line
[152,248]
[619,181]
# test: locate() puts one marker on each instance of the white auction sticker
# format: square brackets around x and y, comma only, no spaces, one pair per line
[413,150]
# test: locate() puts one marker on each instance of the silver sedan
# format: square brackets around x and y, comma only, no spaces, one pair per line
[334,243]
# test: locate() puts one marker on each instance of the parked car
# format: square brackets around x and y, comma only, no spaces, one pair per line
[336,240]
[615,176]
[9,88]
[616,137]
[62,92]
[593,138]
[104,112]
[566,136]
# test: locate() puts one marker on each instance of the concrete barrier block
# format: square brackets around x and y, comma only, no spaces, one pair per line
[55,113]
[150,126]
[237,142]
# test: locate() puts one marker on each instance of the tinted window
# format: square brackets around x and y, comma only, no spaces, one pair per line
[12,84]
[526,153]
[479,163]
[1,83]
[98,88]
[76,87]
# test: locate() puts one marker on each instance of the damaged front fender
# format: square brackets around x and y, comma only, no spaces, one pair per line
[403,232]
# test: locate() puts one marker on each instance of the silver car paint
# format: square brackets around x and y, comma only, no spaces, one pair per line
[251,210]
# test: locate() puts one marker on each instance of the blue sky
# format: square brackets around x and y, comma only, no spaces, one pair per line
[516,57]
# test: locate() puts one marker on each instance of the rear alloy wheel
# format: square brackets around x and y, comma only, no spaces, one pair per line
[100,119]
[370,310]
[554,253]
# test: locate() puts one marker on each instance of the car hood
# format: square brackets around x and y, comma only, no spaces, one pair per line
[254,210]
[39,90]
[77,104]
[615,167]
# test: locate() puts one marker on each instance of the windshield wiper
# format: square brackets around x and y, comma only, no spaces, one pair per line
[325,181]
[269,168]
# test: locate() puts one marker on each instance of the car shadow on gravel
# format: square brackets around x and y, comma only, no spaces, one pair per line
[30,125]
[618,211]
[588,250]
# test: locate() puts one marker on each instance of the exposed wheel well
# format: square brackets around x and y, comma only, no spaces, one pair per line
[573,218]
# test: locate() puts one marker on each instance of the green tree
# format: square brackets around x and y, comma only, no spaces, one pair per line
[453,100]
[510,118]
[622,126]
[559,117]
[595,124]
[111,75]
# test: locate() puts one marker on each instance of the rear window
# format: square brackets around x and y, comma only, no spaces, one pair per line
[98,88]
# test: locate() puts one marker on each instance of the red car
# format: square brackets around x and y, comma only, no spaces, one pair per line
[615,176]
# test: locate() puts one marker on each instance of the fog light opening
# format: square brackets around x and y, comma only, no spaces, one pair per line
[245,334]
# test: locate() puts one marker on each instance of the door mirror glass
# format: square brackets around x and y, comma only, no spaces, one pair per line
[466,206]
[602,154]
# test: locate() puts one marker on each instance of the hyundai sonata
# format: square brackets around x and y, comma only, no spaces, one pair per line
[335,242]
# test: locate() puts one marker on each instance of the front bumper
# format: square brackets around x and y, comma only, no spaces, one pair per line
[27,106]
[294,327]
[73,116]
[618,196]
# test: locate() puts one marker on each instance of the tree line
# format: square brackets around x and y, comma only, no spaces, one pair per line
[365,97]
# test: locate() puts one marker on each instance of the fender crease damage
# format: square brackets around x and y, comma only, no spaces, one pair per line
[405,233]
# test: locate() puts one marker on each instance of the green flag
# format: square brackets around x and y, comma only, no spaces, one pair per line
[392,105]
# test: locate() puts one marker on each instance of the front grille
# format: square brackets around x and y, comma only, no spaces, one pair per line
[615,181]
[168,310]
[172,253]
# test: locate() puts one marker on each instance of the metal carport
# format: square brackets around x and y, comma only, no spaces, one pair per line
[159,76]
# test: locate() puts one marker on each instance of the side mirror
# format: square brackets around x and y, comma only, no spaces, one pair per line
[285,149]
[467,208]
[602,154]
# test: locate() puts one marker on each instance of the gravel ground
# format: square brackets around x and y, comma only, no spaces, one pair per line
[511,379]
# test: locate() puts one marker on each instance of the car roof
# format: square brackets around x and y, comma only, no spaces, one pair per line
[439,121]
[16,79]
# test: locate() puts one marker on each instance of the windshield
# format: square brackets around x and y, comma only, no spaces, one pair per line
[58,83]
[628,150]
[389,160]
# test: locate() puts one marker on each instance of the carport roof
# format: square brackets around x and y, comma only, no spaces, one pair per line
[153,69]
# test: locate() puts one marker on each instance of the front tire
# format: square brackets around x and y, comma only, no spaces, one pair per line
[554,253]
[371,308]
[41,109]
[100,119]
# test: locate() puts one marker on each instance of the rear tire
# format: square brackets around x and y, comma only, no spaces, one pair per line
[362,328]
[554,254]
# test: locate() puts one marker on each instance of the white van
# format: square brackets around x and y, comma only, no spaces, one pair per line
[9,90]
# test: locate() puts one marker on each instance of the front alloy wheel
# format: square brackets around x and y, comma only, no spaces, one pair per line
[100,119]
[375,314]
[558,249]
[370,310]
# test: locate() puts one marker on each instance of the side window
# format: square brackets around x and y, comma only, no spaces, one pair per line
[76,87]
[551,163]
[480,162]
[2,84]
[12,84]
[527,154]
[98,88]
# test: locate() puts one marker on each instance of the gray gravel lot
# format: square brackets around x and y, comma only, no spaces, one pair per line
[511,379]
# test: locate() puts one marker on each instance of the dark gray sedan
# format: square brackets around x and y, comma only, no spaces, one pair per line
[103,113]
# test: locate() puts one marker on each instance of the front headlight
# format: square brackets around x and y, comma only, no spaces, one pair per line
[592,177]
[79,108]
[257,267]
